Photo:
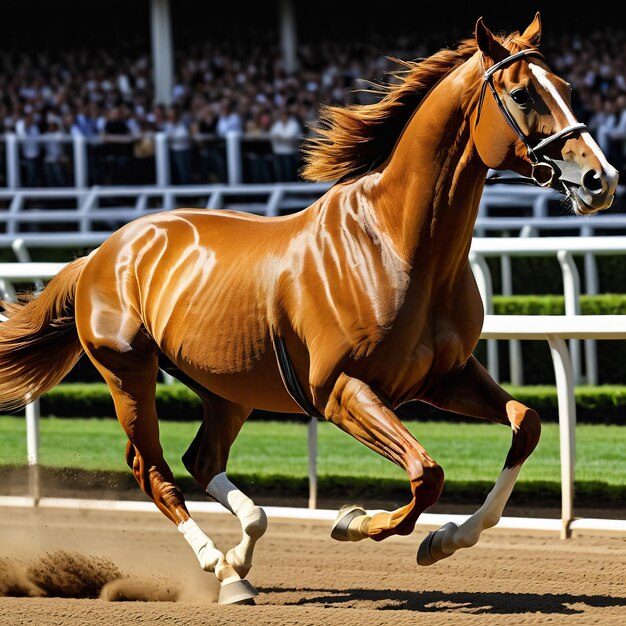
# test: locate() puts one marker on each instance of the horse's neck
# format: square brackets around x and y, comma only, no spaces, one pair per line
[430,189]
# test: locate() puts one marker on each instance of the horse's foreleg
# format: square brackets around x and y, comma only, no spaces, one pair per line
[206,461]
[473,392]
[357,410]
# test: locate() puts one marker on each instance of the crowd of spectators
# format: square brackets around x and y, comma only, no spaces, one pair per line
[107,97]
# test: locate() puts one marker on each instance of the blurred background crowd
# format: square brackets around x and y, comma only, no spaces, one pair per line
[100,86]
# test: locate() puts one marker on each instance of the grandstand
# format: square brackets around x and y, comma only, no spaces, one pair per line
[189,92]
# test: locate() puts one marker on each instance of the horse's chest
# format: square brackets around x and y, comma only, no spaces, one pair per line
[407,364]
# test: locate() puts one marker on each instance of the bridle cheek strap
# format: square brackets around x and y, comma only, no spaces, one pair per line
[538,160]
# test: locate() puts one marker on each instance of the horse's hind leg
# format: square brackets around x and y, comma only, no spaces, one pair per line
[206,461]
[473,392]
[131,377]
[355,408]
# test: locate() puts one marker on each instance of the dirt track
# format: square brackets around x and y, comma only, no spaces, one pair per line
[304,577]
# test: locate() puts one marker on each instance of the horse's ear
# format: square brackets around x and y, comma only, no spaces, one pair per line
[487,43]
[533,33]
[484,37]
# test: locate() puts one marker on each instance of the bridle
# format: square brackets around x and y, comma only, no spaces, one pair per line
[535,153]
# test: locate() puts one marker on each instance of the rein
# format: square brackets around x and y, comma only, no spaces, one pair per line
[290,379]
[538,160]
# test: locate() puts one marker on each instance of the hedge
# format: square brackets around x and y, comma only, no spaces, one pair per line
[536,359]
[604,304]
[605,404]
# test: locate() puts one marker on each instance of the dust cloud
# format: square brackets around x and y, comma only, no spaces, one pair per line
[64,574]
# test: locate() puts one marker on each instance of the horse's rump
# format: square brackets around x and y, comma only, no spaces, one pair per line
[199,287]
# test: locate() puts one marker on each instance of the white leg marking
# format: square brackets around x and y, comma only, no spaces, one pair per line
[208,555]
[253,520]
[450,537]
[489,514]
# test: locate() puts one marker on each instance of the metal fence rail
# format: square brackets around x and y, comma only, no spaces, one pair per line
[564,249]
[106,208]
[233,149]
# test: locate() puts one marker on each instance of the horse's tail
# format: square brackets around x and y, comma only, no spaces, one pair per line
[39,344]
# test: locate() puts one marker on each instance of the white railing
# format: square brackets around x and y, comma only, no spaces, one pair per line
[564,249]
[533,226]
[106,208]
[518,197]
[495,196]
[96,208]
[554,329]
[79,145]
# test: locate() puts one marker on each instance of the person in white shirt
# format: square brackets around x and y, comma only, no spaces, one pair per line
[28,133]
[612,133]
[54,155]
[228,119]
[181,148]
[285,135]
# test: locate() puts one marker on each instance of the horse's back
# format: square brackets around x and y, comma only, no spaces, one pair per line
[202,285]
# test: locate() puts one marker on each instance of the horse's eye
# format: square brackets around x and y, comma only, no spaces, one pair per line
[521,97]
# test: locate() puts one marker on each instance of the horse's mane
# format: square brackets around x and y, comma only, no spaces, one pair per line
[350,140]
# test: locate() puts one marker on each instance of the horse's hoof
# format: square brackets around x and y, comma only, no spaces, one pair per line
[346,514]
[237,592]
[430,550]
[424,555]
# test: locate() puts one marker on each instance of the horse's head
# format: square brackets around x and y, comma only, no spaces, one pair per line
[524,123]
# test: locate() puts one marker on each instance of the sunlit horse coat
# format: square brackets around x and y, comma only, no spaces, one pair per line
[368,290]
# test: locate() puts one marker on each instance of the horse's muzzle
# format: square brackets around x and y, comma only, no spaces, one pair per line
[589,190]
[597,190]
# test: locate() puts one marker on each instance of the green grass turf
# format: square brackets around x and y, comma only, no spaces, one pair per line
[467,452]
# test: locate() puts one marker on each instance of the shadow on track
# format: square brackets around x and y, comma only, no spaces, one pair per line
[439,601]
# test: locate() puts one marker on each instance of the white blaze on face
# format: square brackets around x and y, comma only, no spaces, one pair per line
[544,80]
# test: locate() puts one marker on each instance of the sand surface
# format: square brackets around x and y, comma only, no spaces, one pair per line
[88,568]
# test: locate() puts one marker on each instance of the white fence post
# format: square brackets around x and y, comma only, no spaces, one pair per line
[233,157]
[13,161]
[33,416]
[162,159]
[485,287]
[516,367]
[567,428]
[571,290]
[79,146]
[23,256]
[32,432]
[312,444]
[592,287]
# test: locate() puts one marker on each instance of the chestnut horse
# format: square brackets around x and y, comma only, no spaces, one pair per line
[360,303]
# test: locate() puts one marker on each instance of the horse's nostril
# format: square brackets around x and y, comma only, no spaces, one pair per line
[592,182]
